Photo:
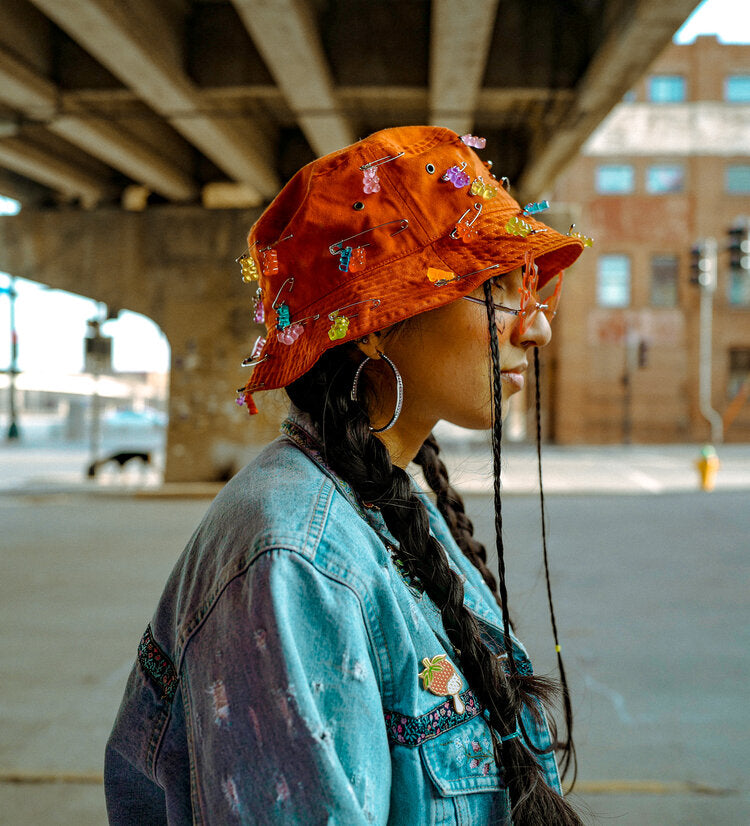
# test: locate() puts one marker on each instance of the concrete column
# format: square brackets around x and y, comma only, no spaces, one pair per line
[176,266]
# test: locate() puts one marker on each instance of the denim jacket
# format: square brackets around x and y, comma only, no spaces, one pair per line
[279,679]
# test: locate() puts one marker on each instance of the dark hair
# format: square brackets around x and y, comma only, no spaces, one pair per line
[359,457]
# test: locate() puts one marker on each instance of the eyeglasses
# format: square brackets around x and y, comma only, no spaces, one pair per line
[529,306]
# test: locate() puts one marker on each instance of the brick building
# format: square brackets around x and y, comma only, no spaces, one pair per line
[668,166]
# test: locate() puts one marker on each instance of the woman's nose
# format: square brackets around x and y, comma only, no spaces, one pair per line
[536,334]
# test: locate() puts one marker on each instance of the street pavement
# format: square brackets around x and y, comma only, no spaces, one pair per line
[650,578]
[630,469]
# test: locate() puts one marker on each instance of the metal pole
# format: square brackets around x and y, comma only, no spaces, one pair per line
[95,424]
[13,431]
[708,279]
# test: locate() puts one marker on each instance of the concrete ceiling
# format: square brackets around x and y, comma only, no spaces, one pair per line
[137,102]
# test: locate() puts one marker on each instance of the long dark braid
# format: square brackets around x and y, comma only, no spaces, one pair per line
[452,508]
[363,460]
[567,746]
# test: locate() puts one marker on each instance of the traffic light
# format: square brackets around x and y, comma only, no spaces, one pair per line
[739,249]
[703,264]
[695,265]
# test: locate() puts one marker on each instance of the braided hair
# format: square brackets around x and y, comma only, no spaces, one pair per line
[359,457]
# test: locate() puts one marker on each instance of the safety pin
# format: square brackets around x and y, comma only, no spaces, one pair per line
[332,316]
[257,387]
[254,362]
[381,161]
[249,249]
[336,248]
[443,281]
[281,289]
[271,246]
[478,207]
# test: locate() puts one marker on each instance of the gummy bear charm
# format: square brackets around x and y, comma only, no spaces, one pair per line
[248,268]
[472,140]
[290,334]
[584,239]
[517,226]
[340,327]
[534,208]
[282,317]
[357,261]
[259,314]
[344,258]
[466,232]
[439,677]
[457,176]
[370,180]
[270,262]
[260,343]
[479,187]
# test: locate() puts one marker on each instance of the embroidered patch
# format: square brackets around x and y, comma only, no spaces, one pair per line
[157,664]
[477,756]
[411,731]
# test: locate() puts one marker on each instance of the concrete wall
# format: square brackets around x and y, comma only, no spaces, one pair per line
[176,266]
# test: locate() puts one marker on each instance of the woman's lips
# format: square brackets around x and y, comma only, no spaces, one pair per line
[513,378]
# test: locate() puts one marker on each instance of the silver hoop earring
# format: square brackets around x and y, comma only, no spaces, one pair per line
[399,390]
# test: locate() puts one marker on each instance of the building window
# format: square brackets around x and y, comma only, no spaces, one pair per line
[738,179]
[737,89]
[665,177]
[613,281]
[615,179]
[664,273]
[666,89]
[739,370]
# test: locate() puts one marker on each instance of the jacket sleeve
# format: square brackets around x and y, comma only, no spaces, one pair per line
[282,703]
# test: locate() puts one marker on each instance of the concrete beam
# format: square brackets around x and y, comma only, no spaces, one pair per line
[120,151]
[459,43]
[23,89]
[619,63]
[284,28]
[24,159]
[131,46]
[38,99]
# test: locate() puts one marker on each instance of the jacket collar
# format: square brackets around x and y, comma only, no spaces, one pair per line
[299,428]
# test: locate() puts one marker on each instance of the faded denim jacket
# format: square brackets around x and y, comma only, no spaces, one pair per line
[278,681]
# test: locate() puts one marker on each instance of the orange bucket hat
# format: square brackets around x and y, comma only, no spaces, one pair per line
[402,222]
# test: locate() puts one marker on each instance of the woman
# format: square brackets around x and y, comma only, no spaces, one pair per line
[332,647]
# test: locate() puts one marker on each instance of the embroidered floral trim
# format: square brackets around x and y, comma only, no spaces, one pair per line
[157,664]
[411,731]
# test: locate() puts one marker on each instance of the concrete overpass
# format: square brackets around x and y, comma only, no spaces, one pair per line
[143,136]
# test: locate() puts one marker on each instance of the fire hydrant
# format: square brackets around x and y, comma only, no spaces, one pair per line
[708,467]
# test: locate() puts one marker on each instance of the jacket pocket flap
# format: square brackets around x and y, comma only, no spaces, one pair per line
[461,760]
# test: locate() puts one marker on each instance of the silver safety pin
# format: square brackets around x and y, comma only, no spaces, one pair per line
[380,161]
[478,208]
[443,281]
[336,248]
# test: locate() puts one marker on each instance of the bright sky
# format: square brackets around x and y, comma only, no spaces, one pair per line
[729,20]
[52,324]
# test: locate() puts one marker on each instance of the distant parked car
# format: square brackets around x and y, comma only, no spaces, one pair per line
[148,418]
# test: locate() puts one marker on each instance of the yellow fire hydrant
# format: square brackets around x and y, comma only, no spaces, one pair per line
[708,467]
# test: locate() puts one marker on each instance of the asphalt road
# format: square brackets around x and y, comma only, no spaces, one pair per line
[651,598]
